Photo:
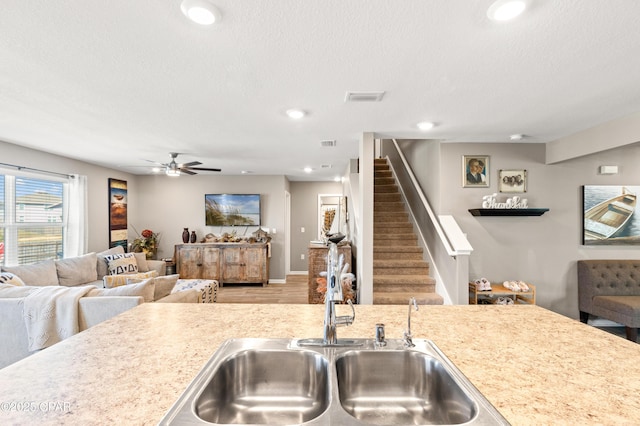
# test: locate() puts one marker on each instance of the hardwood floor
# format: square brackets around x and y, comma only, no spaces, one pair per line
[295,290]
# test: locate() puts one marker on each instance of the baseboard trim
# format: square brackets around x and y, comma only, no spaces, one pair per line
[298,273]
[277,281]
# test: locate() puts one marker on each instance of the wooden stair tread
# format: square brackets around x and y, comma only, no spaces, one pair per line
[401,263]
[402,279]
[402,298]
[396,249]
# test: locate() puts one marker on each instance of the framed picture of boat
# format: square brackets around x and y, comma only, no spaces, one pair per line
[610,215]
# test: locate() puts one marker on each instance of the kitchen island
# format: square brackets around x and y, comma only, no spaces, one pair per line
[536,367]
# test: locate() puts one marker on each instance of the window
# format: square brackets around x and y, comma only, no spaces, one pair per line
[31,218]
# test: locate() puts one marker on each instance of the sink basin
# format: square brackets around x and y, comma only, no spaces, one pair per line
[289,382]
[275,387]
[401,387]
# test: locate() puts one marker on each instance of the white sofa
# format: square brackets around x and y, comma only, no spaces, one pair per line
[87,270]
[91,311]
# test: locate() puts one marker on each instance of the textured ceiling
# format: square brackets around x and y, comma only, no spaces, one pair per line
[119,82]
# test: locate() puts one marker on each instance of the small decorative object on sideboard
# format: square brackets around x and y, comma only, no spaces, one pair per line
[193,237]
[185,235]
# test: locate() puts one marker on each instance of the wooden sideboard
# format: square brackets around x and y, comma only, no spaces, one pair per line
[228,263]
[318,263]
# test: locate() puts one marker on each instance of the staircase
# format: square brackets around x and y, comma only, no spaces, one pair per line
[399,271]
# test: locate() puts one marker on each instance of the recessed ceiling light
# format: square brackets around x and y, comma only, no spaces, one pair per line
[246,172]
[295,114]
[308,169]
[425,125]
[200,11]
[337,179]
[504,10]
[516,137]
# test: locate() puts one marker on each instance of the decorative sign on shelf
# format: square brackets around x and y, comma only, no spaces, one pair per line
[515,202]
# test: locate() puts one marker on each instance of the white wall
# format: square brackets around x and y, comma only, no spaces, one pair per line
[97,181]
[304,214]
[168,205]
[540,250]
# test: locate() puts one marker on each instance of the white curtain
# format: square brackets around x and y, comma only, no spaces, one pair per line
[76,240]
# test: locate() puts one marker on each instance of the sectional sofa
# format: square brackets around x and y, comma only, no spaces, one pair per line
[85,273]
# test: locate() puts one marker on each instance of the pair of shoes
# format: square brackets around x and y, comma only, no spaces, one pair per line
[504,301]
[516,285]
[483,284]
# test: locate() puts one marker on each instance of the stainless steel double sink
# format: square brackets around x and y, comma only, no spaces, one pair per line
[290,382]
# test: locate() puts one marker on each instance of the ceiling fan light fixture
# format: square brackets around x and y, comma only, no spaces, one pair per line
[200,11]
[505,10]
[172,172]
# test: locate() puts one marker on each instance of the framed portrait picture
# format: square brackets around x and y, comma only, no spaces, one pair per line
[512,180]
[475,171]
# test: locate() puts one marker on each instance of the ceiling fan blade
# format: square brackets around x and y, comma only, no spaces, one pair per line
[156,163]
[187,171]
[187,165]
[205,169]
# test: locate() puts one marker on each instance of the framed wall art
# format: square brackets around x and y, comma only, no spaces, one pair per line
[117,213]
[610,215]
[475,171]
[512,180]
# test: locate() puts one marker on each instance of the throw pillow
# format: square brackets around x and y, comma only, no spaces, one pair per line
[38,274]
[77,270]
[144,288]
[101,266]
[9,278]
[111,281]
[141,260]
[164,285]
[124,263]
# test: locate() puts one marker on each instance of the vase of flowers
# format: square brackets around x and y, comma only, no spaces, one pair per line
[147,243]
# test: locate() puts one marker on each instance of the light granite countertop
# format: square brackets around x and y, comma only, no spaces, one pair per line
[536,367]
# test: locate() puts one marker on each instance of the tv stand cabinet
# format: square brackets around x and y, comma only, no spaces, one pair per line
[227,263]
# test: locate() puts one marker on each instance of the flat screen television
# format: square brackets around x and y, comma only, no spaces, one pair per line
[232,209]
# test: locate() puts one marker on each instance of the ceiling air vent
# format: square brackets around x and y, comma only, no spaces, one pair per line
[326,166]
[328,143]
[363,96]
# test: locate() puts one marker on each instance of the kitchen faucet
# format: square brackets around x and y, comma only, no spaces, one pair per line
[408,342]
[333,295]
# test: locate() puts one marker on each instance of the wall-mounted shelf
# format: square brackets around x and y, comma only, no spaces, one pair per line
[508,212]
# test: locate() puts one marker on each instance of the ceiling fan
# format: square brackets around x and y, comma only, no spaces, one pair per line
[175,169]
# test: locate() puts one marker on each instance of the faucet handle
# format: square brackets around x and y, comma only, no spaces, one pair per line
[347,319]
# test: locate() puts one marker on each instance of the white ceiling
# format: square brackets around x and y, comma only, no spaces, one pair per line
[119,82]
